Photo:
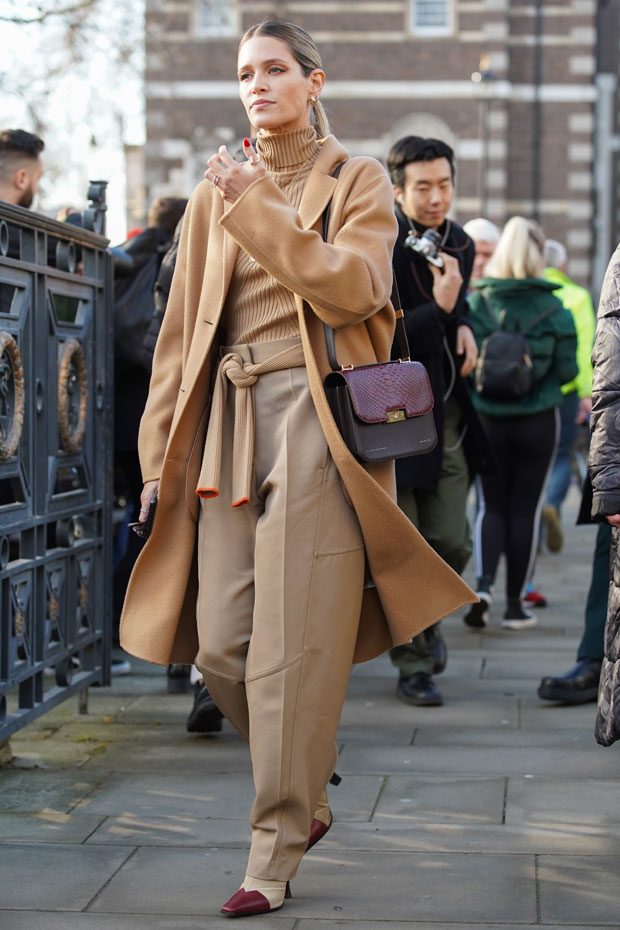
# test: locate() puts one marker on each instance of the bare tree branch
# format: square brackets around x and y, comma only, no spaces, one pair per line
[44,15]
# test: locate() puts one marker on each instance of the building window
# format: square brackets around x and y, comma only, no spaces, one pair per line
[216,18]
[432,17]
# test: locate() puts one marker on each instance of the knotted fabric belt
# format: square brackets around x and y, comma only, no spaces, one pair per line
[243,375]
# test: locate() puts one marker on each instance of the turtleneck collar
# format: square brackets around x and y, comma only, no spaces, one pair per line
[285,151]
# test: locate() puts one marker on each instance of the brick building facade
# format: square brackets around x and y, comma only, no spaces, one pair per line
[524,131]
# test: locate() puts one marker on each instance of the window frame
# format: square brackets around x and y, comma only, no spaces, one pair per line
[203,32]
[432,32]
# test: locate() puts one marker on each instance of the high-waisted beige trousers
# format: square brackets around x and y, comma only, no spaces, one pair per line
[281,582]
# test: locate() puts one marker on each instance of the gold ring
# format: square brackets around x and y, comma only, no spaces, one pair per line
[215,181]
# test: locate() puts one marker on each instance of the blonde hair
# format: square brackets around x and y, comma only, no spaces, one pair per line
[519,252]
[302,47]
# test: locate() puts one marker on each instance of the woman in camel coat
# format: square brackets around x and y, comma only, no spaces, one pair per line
[266,526]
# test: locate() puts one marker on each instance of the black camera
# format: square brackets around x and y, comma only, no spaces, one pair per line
[426,245]
[94,215]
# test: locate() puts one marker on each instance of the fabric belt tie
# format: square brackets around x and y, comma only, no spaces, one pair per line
[243,375]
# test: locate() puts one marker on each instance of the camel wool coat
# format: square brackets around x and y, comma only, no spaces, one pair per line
[348,287]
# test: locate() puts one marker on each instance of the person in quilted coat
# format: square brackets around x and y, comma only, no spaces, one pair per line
[604,466]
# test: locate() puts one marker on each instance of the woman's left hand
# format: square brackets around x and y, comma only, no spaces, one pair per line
[229,177]
[466,345]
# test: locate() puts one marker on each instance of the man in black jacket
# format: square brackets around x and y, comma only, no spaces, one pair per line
[432,487]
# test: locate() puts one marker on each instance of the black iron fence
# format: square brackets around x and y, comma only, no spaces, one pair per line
[55,463]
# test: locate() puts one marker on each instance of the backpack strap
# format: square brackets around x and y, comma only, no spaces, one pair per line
[496,318]
[541,316]
[500,317]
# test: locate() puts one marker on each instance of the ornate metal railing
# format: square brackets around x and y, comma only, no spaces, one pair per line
[55,463]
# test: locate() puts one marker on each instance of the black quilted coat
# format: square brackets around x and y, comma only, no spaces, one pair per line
[605,474]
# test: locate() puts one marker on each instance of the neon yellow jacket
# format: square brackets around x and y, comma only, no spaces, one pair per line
[577,299]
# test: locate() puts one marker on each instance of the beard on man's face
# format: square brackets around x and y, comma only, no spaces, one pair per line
[27,197]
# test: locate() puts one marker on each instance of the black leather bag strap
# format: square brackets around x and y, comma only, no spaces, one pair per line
[401,332]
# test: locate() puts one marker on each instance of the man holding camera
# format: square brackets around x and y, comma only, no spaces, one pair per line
[433,260]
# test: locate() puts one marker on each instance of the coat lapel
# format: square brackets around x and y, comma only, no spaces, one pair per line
[320,185]
[212,302]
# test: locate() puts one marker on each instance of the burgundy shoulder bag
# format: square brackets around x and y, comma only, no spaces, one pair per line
[384,410]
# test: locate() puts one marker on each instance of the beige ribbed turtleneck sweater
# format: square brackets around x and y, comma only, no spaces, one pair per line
[258,308]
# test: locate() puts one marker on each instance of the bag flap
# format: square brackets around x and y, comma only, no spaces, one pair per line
[377,390]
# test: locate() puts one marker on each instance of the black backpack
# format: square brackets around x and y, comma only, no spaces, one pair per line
[134,308]
[505,370]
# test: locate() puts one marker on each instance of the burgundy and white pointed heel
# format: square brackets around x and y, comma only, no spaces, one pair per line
[318,829]
[251,903]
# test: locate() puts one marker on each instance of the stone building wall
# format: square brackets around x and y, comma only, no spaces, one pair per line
[384,81]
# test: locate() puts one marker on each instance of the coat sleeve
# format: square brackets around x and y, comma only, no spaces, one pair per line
[461,308]
[604,459]
[425,330]
[167,360]
[564,362]
[346,281]
[584,323]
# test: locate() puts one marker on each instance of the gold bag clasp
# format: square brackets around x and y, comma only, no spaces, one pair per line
[395,416]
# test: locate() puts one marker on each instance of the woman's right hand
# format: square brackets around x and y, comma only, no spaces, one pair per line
[149,491]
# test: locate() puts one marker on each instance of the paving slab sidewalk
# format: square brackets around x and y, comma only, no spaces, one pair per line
[495,811]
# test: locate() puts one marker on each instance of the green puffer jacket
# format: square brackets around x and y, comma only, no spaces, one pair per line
[553,341]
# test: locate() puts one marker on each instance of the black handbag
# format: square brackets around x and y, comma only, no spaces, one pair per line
[384,410]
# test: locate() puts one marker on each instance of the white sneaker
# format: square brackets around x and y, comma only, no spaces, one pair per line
[519,619]
[120,667]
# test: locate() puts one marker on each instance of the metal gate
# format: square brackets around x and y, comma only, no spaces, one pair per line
[55,463]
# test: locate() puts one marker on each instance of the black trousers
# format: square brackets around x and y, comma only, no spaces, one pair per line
[509,502]
[592,643]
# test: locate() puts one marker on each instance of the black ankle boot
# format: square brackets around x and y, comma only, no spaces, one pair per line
[577,686]
[420,690]
[205,716]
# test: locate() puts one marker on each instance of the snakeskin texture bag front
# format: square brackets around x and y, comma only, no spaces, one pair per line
[383,411]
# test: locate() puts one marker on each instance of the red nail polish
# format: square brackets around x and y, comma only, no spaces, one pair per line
[247,143]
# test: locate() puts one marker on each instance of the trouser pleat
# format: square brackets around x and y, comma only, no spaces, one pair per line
[281,582]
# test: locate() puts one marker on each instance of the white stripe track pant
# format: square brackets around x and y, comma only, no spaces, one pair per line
[510,502]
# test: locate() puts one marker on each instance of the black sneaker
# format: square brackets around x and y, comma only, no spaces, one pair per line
[205,716]
[477,617]
[419,689]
